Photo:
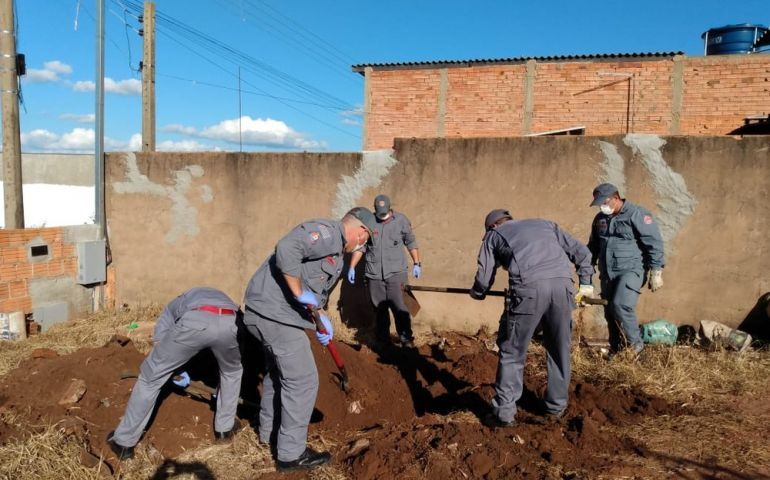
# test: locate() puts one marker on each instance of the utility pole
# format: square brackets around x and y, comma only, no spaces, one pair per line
[148,79]
[99,210]
[14,202]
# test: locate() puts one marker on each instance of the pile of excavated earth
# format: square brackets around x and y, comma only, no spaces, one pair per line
[410,413]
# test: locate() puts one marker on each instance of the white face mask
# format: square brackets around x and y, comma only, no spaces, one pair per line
[385,217]
[606,209]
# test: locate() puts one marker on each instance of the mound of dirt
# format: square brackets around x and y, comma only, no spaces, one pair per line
[410,412]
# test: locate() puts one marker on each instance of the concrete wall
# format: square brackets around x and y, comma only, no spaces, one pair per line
[667,96]
[57,168]
[181,220]
[58,189]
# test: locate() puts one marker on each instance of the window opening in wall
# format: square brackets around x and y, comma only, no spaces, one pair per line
[38,250]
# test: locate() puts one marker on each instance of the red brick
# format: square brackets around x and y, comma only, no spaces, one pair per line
[18,288]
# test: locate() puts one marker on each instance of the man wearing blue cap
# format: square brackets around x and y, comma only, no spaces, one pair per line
[386,271]
[626,243]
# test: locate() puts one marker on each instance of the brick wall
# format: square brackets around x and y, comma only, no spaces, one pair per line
[17,269]
[719,91]
[675,95]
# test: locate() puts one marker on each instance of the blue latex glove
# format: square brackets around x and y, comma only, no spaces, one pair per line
[416,271]
[352,275]
[324,339]
[308,298]
[183,381]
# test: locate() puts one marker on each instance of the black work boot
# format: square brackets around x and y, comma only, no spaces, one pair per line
[123,453]
[549,417]
[224,437]
[493,421]
[406,342]
[309,459]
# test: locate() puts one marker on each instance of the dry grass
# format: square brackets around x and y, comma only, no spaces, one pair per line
[67,337]
[678,373]
[46,453]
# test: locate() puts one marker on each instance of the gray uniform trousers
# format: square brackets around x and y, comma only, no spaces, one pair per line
[551,301]
[289,388]
[193,332]
[622,294]
[389,294]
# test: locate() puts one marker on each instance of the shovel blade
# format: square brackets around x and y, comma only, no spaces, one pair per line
[411,303]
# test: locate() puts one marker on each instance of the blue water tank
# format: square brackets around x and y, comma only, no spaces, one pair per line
[732,39]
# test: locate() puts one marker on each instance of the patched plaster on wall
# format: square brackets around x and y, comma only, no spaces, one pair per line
[375,166]
[184,214]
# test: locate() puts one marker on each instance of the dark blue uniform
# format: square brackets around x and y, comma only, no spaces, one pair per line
[626,245]
[539,257]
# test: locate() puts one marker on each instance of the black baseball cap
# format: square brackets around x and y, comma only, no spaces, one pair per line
[494,216]
[365,216]
[381,205]
[602,192]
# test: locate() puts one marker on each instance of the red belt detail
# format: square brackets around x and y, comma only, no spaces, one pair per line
[217,310]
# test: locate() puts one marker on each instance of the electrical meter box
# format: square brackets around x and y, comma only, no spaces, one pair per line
[92,262]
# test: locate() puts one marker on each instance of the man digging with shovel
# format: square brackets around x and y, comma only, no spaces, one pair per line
[282,301]
[199,318]
[537,255]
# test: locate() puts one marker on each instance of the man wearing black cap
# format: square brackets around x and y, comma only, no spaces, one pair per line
[539,257]
[626,243]
[386,270]
[298,276]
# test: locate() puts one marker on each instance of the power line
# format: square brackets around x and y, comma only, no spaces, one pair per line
[305,45]
[238,57]
[342,55]
[285,103]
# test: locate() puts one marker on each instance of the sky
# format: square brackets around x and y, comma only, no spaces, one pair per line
[297,88]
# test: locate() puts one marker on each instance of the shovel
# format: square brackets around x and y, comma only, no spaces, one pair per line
[414,306]
[196,389]
[344,383]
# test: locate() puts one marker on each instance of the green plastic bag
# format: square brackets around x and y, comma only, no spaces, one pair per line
[659,332]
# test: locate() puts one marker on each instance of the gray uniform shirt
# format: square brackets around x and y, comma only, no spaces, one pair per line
[627,242]
[386,256]
[190,300]
[312,251]
[531,250]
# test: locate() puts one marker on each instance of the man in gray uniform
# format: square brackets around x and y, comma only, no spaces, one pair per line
[626,242]
[199,318]
[386,268]
[537,255]
[298,276]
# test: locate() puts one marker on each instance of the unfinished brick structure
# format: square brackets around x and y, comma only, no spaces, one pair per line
[662,93]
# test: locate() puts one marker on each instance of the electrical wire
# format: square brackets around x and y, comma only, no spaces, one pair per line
[285,103]
[309,47]
[249,63]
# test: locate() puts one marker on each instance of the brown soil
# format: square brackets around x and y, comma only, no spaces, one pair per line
[418,415]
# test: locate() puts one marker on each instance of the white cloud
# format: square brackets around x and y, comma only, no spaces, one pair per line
[82,140]
[50,72]
[129,86]
[351,121]
[78,117]
[253,131]
[58,67]
[35,75]
[77,140]
[185,146]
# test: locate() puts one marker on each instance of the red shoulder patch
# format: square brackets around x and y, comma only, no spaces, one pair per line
[647,220]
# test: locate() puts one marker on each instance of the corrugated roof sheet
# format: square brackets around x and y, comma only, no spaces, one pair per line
[492,61]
